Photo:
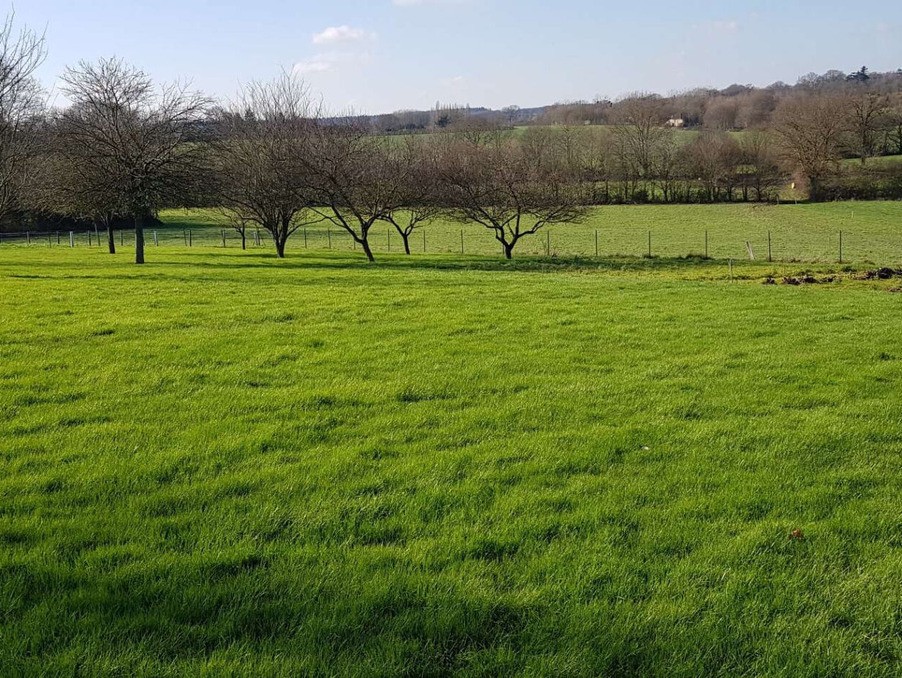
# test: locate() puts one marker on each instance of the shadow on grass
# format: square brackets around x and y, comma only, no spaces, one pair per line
[350,261]
[216,264]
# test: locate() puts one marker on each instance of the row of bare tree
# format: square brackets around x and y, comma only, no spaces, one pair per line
[124,149]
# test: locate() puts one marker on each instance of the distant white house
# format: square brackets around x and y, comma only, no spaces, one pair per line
[676,122]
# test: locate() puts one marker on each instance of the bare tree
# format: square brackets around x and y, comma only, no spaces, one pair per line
[640,123]
[894,128]
[136,135]
[760,171]
[411,167]
[67,180]
[511,113]
[509,190]
[714,158]
[21,104]
[867,116]
[352,187]
[811,130]
[721,114]
[262,158]
[237,223]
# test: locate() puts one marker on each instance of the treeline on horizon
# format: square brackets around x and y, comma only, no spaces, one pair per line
[734,108]
[126,147]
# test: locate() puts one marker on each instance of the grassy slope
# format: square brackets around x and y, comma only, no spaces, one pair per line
[872,231]
[225,462]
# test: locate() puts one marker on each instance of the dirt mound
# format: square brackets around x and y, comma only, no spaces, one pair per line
[881,274]
[804,279]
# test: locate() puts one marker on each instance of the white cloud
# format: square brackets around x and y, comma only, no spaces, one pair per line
[339,34]
[324,62]
[319,63]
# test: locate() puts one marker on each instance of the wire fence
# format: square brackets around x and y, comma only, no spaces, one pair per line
[772,245]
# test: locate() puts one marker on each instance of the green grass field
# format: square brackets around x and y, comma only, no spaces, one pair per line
[225,464]
[871,232]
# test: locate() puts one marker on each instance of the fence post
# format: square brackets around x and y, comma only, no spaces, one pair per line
[156,242]
[57,237]
[27,237]
[71,239]
[185,236]
[388,238]
[840,247]
[49,241]
[97,234]
[769,254]
[329,235]
[121,238]
[223,237]
[547,243]
[190,238]
[649,244]
[596,243]
[305,237]
[706,243]
[424,241]
[461,241]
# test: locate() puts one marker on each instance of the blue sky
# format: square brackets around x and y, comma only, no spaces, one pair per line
[382,55]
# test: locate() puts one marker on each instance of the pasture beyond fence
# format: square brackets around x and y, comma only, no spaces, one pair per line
[561,241]
[856,232]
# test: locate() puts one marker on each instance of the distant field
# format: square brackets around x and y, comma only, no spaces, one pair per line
[880,161]
[872,231]
[225,464]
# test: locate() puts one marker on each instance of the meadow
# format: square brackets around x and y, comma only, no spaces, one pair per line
[225,464]
[871,233]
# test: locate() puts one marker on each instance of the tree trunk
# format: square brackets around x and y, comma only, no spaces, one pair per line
[406,238]
[139,239]
[110,238]
[509,249]
[365,244]
[814,189]
[243,240]
[280,246]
